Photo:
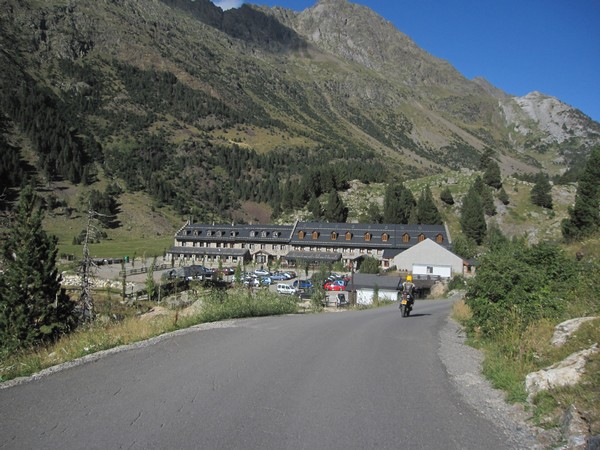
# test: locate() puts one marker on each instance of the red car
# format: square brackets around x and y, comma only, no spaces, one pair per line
[335,286]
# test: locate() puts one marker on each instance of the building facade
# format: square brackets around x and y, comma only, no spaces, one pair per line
[312,242]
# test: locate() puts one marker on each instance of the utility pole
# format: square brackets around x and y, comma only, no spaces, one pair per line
[86,302]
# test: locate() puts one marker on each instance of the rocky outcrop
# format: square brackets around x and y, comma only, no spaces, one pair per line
[563,330]
[565,373]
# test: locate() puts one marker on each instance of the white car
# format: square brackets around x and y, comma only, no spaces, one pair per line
[286,289]
[262,272]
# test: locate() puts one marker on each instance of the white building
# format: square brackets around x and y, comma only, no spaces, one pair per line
[429,259]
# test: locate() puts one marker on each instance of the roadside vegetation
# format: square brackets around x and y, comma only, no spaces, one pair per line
[131,326]
[520,294]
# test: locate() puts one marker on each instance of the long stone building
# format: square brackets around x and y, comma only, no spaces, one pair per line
[315,242]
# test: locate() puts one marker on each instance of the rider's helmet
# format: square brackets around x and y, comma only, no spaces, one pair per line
[408,277]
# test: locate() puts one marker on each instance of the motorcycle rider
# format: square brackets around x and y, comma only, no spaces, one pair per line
[408,289]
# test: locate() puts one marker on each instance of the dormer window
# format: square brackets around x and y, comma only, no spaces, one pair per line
[439,239]
[253,233]
[233,233]
[209,233]
[275,233]
[367,237]
[385,237]
[264,233]
[315,235]
[334,236]
[301,234]
[406,238]
[348,236]
[421,237]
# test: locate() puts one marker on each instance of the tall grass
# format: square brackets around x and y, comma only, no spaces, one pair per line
[217,305]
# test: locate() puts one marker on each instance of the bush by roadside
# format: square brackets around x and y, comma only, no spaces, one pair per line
[511,308]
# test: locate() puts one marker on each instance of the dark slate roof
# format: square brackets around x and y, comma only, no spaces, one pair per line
[236,233]
[314,256]
[353,234]
[391,253]
[369,281]
[208,251]
[317,234]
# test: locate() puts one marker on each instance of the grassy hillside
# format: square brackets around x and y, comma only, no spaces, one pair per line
[143,229]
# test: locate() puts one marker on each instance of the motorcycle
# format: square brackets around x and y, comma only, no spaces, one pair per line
[406,304]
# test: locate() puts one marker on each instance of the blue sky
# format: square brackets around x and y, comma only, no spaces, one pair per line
[551,46]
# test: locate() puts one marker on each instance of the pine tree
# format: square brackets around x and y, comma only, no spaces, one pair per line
[446,196]
[391,203]
[487,198]
[492,176]
[33,307]
[314,207]
[503,196]
[472,218]
[374,213]
[335,211]
[427,212]
[541,193]
[464,246]
[584,217]
[408,205]
[398,204]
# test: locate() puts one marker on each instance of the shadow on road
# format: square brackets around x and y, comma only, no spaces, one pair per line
[419,315]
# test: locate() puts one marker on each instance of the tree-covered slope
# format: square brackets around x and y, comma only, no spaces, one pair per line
[206,109]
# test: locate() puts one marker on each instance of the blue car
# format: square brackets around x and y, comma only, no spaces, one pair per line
[278,276]
[302,284]
[266,281]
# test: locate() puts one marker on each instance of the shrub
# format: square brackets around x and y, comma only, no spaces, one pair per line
[237,303]
[529,282]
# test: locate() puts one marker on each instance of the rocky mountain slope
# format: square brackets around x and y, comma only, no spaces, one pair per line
[205,109]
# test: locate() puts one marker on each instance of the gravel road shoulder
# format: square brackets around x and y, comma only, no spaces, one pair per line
[463,365]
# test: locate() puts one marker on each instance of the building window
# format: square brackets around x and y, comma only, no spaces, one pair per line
[253,234]
[301,234]
[348,236]
[385,237]
[421,237]
[334,236]
[265,233]
[405,238]
[367,237]
[315,235]
[429,269]
[439,239]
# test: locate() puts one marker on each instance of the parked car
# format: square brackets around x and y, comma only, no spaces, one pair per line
[302,284]
[286,289]
[262,272]
[254,282]
[279,276]
[337,285]
[266,281]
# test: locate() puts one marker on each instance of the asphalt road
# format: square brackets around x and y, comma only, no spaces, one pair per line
[348,380]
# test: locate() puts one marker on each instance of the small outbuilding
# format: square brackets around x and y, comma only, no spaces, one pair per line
[366,285]
[429,259]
